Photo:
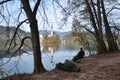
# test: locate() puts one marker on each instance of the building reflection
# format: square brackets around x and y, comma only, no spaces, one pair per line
[49,50]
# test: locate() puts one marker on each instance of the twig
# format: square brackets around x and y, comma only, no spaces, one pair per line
[4,1]
[36,7]
[17,49]
[16,32]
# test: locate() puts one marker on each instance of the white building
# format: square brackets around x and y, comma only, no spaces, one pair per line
[49,35]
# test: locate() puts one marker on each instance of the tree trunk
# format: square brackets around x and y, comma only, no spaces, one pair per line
[111,42]
[38,67]
[101,40]
[101,45]
[98,35]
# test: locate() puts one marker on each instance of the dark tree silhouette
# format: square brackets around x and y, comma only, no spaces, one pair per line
[38,67]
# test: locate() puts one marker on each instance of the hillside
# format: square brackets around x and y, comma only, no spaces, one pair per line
[4,39]
[4,30]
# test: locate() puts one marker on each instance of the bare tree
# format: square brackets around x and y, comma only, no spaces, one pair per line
[33,24]
[93,13]
[38,67]
[111,42]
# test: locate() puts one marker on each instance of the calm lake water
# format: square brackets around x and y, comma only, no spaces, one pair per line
[24,63]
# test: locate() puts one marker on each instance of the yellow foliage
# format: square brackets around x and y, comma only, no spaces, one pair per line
[79,37]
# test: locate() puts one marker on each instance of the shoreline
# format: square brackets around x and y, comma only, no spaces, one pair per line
[95,67]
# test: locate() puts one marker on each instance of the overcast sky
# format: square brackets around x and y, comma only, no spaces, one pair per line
[52,18]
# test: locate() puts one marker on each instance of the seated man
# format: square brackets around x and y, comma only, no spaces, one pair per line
[79,56]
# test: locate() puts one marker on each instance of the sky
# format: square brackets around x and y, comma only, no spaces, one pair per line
[53,13]
[52,17]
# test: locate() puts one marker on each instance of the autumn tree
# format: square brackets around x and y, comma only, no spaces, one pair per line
[86,39]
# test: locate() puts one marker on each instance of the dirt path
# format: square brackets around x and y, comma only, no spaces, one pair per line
[99,67]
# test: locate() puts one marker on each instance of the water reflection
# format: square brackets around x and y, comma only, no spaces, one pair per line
[18,64]
[56,57]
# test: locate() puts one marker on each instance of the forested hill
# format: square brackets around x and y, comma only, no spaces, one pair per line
[5,30]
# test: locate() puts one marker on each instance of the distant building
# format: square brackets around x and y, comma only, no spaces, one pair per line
[47,37]
[41,37]
[51,32]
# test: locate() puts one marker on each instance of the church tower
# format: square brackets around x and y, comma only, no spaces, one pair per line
[51,31]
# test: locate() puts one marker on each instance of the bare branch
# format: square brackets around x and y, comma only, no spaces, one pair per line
[89,30]
[25,52]
[18,48]
[60,5]
[16,32]
[4,1]
[36,7]
[22,42]
[3,17]
[113,8]
[115,27]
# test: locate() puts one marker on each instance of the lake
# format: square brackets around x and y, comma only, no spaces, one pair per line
[23,63]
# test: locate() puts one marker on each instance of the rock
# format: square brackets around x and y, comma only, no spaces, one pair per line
[68,67]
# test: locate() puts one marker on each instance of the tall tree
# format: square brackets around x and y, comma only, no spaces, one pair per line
[93,14]
[111,42]
[38,67]
[97,24]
